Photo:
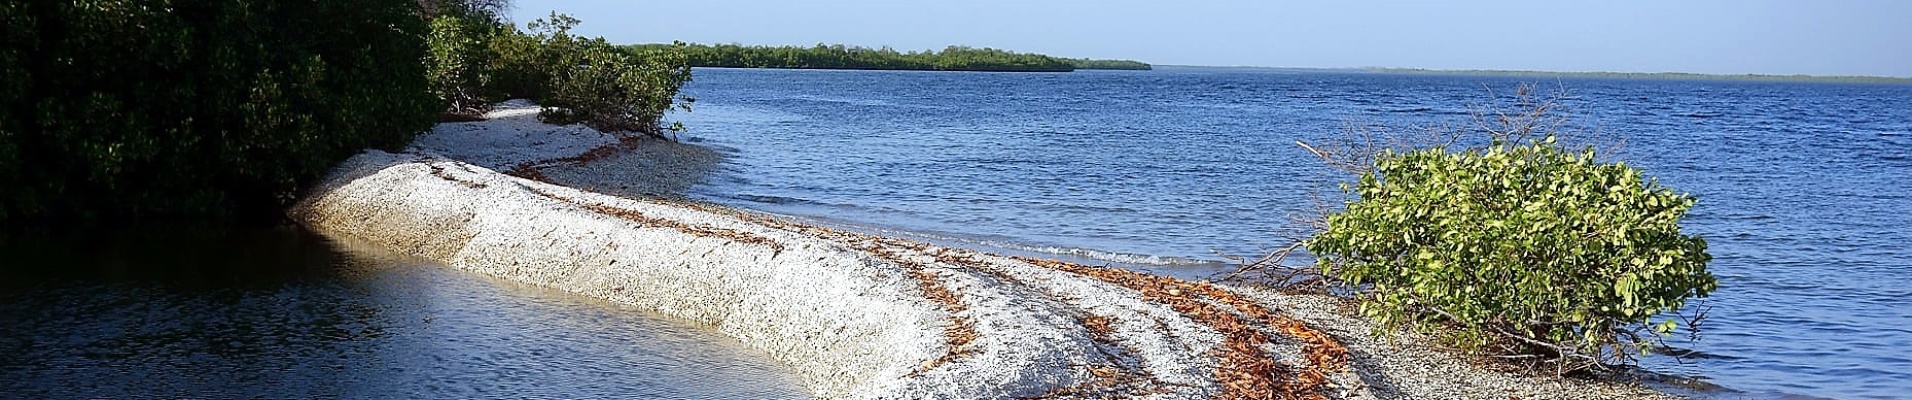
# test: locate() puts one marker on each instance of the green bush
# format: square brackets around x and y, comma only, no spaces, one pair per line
[1521,246]
[462,55]
[519,67]
[589,81]
[144,109]
[459,53]
[613,92]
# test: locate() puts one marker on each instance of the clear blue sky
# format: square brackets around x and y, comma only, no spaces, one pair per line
[1818,37]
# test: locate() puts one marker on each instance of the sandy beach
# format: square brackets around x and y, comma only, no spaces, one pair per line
[864,316]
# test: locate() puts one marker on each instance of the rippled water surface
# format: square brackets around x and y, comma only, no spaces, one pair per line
[285,314]
[1805,189]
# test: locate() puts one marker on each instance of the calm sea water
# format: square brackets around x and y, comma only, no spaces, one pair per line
[1805,189]
[282,313]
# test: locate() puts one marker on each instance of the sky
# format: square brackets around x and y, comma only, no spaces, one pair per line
[1814,37]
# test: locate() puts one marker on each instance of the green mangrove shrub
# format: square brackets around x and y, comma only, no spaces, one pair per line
[196,109]
[1520,246]
[461,54]
[588,80]
[459,51]
[519,66]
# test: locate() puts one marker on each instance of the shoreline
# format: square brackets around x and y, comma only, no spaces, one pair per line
[858,315]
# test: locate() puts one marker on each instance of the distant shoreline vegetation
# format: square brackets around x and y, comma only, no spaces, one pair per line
[1642,75]
[821,56]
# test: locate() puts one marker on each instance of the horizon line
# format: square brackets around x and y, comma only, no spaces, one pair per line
[1536,71]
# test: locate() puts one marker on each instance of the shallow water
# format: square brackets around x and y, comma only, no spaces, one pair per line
[1805,189]
[281,313]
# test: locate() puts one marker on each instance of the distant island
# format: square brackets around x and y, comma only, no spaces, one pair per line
[1644,75]
[821,56]
[1132,65]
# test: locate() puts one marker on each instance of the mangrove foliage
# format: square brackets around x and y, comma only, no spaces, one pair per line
[129,111]
[821,56]
[115,110]
[581,79]
[1503,238]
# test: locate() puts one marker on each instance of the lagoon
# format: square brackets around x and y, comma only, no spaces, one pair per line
[285,313]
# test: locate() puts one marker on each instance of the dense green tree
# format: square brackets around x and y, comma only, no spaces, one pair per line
[589,81]
[459,53]
[141,110]
[162,109]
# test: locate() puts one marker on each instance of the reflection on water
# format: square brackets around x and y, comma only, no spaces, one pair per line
[285,314]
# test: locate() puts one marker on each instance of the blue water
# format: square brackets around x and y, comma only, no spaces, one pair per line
[1805,189]
[285,314]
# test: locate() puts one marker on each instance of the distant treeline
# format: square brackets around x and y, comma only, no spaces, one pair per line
[1084,63]
[1647,75]
[821,56]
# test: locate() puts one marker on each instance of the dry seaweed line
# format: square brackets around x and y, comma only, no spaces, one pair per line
[1111,374]
[640,218]
[957,334]
[1245,371]
[1113,377]
[960,331]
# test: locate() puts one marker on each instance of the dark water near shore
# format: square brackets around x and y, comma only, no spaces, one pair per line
[281,313]
[1805,189]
